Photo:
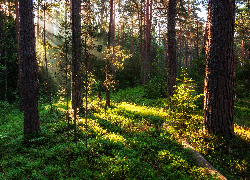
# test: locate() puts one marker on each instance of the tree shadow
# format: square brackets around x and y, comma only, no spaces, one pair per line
[140,148]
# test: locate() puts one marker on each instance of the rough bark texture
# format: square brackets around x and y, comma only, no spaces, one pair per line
[218,89]
[76,54]
[28,67]
[171,54]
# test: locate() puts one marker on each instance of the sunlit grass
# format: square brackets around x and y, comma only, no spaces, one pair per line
[130,140]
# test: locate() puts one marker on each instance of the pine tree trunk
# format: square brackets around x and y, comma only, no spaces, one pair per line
[141,42]
[38,18]
[218,90]
[171,42]
[110,45]
[18,54]
[28,68]
[76,54]
[148,43]
[197,48]
[46,60]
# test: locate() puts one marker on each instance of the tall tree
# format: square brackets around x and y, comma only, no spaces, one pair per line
[76,59]
[171,54]
[218,89]
[28,67]
[76,54]
[111,43]
[48,89]
[18,52]
[147,64]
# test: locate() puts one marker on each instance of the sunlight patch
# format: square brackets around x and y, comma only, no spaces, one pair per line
[114,137]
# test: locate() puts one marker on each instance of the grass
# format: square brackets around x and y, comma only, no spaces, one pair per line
[127,141]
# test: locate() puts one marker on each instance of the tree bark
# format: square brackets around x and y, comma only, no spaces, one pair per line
[147,63]
[76,54]
[38,18]
[18,54]
[218,88]
[28,67]
[171,44]
[110,45]
[141,41]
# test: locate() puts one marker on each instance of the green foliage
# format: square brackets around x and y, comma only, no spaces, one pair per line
[243,81]
[129,141]
[182,105]
[123,144]
[156,88]
[8,52]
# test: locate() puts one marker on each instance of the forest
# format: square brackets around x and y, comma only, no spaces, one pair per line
[125,89]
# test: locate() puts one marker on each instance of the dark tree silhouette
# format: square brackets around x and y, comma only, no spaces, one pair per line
[171,47]
[28,66]
[218,89]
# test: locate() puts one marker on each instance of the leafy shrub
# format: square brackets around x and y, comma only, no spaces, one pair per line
[156,88]
[182,105]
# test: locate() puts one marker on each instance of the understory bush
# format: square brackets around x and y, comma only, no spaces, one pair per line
[182,107]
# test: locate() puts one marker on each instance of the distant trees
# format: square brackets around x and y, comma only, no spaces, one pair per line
[218,88]
[28,64]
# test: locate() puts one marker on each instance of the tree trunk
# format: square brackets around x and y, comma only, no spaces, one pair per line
[45,58]
[18,54]
[242,53]
[5,63]
[38,18]
[76,54]
[197,47]
[28,67]
[218,89]
[76,60]
[110,45]
[141,42]
[171,42]
[148,43]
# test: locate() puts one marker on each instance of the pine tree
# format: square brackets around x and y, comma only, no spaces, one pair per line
[218,89]
[29,68]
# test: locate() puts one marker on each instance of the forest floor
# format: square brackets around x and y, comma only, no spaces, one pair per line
[136,138]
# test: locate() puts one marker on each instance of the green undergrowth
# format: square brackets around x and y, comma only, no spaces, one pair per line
[231,157]
[125,142]
[136,138]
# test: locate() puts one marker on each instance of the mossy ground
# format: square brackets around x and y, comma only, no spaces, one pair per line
[126,141]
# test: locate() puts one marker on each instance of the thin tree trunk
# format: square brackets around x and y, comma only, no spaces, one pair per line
[180,51]
[18,55]
[110,44]
[148,42]
[38,18]
[132,38]
[66,80]
[141,44]
[86,89]
[242,53]
[45,58]
[5,64]
[197,47]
